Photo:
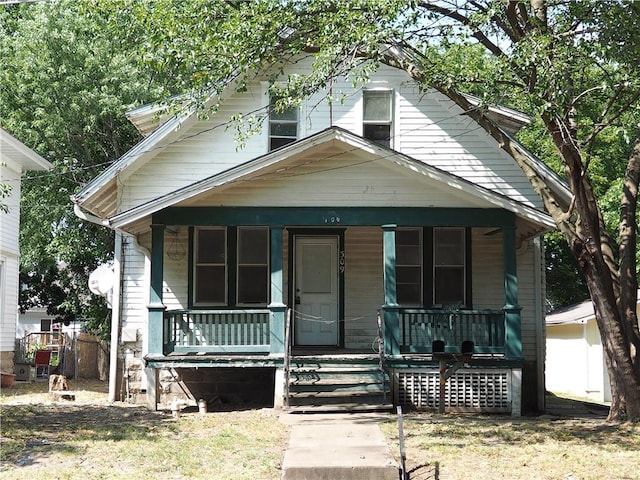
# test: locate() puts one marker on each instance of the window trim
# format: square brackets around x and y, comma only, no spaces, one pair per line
[391,122]
[428,267]
[465,261]
[267,265]
[271,121]
[193,263]
[232,239]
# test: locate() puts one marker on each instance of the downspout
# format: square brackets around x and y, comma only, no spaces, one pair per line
[115,301]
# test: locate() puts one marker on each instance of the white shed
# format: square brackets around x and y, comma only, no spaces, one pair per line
[575,361]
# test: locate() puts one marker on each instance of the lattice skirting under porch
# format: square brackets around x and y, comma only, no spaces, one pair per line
[469,390]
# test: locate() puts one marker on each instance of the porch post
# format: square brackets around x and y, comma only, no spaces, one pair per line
[156,307]
[513,330]
[390,308]
[277,307]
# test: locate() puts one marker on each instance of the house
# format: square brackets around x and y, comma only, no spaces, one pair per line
[15,158]
[320,263]
[575,362]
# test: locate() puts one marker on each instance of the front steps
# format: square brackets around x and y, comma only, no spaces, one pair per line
[346,384]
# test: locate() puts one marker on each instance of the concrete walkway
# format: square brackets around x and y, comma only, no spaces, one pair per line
[337,447]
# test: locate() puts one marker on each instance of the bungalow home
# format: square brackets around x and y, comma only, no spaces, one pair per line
[15,158]
[575,362]
[319,265]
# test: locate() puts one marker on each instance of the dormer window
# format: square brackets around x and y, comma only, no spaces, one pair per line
[283,126]
[377,116]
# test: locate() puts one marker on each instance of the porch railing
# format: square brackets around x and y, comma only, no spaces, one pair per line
[217,331]
[420,327]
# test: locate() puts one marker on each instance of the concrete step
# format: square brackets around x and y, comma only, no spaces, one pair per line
[338,449]
[341,407]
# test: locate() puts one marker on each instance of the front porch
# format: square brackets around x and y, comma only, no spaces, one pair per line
[359,262]
[338,379]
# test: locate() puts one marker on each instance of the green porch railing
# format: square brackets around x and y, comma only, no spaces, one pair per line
[420,327]
[217,331]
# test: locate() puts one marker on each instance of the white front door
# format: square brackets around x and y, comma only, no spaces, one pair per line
[316,290]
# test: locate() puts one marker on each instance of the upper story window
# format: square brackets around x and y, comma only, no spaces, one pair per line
[283,125]
[377,116]
[231,266]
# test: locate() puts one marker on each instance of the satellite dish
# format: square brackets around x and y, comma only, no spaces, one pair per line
[101,280]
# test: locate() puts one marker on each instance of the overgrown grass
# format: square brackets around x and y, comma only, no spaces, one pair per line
[90,439]
[69,440]
[496,447]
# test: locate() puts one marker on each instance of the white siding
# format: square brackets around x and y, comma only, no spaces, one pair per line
[339,180]
[487,269]
[10,222]
[364,293]
[527,300]
[176,260]
[9,225]
[9,302]
[428,127]
[135,288]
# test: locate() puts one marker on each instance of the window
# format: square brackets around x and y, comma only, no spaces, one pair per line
[231,266]
[377,116]
[449,266]
[45,325]
[283,126]
[436,275]
[409,266]
[210,266]
[253,265]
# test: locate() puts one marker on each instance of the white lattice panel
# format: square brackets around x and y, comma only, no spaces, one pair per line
[466,390]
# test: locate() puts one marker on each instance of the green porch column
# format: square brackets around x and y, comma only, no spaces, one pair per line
[390,309]
[277,306]
[156,307]
[513,326]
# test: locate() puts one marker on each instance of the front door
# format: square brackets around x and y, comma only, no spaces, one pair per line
[316,290]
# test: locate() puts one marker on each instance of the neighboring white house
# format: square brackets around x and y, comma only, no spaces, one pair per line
[37,320]
[390,205]
[575,361]
[15,159]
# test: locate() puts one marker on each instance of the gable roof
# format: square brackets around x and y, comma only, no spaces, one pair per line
[15,150]
[578,313]
[345,141]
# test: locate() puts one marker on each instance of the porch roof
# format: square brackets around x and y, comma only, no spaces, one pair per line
[345,141]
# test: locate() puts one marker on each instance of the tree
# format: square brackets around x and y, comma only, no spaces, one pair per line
[64,86]
[572,64]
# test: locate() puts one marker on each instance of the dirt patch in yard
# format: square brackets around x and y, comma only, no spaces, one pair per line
[90,438]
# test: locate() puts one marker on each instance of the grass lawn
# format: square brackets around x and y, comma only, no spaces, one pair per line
[90,439]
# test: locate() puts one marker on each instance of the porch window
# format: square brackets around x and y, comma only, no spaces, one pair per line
[377,116]
[231,266]
[210,266]
[449,266]
[253,265]
[435,275]
[45,325]
[283,125]
[409,266]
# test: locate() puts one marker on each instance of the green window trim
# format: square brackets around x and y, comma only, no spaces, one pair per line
[427,290]
[238,257]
